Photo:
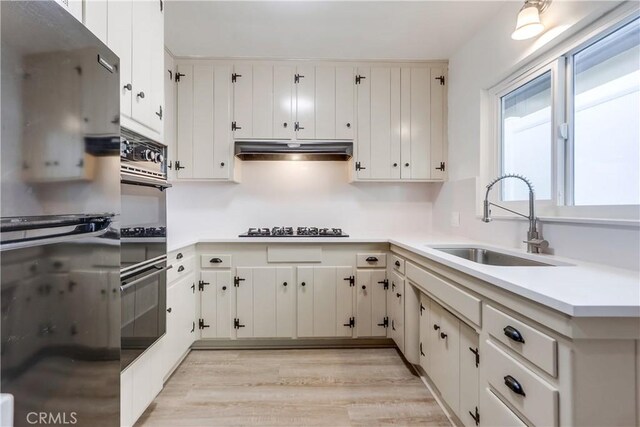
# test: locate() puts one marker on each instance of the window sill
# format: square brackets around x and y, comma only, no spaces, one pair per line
[625,223]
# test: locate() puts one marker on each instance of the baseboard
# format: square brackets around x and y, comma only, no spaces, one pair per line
[311,343]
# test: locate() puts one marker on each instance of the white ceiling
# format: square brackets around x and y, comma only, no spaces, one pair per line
[323,29]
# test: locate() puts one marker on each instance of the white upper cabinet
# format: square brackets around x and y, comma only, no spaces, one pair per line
[95,18]
[135,32]
[283,98]
[401,123]
[345,108]
[305,102]
[242,79]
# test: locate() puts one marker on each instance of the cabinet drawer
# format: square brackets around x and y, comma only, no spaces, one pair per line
[180,254]
[537,400]
[215,261]
[371,260]
[464,303]
[497,414]
[180,269]
[532,344]
[397,263]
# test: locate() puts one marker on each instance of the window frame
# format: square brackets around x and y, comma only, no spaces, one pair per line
[561,65]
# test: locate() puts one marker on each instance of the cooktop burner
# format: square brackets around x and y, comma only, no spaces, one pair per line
[143,232]
[297,232]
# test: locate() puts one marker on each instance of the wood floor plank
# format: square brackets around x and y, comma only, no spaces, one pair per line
[319,387]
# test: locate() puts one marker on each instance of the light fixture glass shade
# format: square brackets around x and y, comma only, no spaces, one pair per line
[528,24]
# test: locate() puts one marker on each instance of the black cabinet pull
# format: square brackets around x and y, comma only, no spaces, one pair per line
[222,164]
[179,256]
[169,310]
[364,287]
[393,325]
[284,284]
[372,259]
[406,164]
[398,295]
[514,334]
[421,352]
[348,125]
[395,165]
[181,269]
[397,263]
[303,284]
[436,327]
[284,125]
[443,335]
[224,288]
[193,326]
[140,95]
[514,385]
[128,86]
[215,260]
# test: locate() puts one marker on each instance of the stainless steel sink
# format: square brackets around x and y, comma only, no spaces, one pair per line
[489,257]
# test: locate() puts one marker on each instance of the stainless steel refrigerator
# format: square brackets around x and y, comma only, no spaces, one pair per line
[60,205]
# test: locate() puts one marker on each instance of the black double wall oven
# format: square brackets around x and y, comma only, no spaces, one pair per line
[143,260]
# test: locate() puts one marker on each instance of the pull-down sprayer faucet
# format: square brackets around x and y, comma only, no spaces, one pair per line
[535,242]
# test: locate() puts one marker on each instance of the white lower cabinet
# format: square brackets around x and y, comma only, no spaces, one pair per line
[140,383]
[216,289]
[469,382]
[126,398]
[325,301]
[371,303]
[395,309]
[445,350]
[425,348]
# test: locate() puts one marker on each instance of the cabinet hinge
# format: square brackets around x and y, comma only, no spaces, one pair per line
[477,353]
[234,77]
[178,166]
[441,78]
[421,352]
[178,76]
[476,416]
[385,283]
[359,166]
[201,324]
[351,279]
[441,167]
[297,77]
[359,79]
[170,75]
[352,322]
[159,113]
[236,324]
[385,322]
[193,326]
[161,5]
[193,288]
[234,126]
[237,280]
[202,284]
[421,309]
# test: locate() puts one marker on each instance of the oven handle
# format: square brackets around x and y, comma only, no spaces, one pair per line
[135,282]
[127,178]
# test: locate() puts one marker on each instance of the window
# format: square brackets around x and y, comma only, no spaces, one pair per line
[572,127]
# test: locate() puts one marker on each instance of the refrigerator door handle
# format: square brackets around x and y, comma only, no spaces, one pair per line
[83,226]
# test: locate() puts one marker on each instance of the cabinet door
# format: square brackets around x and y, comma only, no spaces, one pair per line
[343,301]
[222,135]
[283,97]
[469,343]
[345,87]
[157,71]
[445,365]
[243,101]
[95,18]
[305,301]
[305,102]
[285,302]
[185,122]
[262,101]
[416,123]
[170,92]
[209,304]
[244,302]
[223,298]
[142,42]
[119,34]
[202,116]
[325,102]
[363,106]
[371,303]
[324,303]
[438,123]
[395,305]
[264,302]
[425,327]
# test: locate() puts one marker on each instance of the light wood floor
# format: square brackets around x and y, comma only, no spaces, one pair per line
[326,387]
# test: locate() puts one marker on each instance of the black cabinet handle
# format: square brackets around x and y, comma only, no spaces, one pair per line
[303,284]
[443,335]
[514,334]
[395,165]
[221,164]
[179,256]
[215,260]
[372,259]
[284,125]
[406,164]
[284,284]
[348,125]
[140,95]
[181,269]
[169,310]
[128,86]
[397,263]
[364,287]
[224,288]
[514,385]
[393,325]
[398,295]
[436,327]
[421,352]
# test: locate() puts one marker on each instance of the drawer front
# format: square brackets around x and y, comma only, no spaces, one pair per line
[538,348]
[180,269]
[464,303]
[181,254]
[215,261]
[371,260]
[397,263]
[538,400]
[497,414]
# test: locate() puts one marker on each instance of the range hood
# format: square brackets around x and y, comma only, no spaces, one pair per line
[333,150]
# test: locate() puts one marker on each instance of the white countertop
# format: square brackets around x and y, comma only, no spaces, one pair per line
[575,288]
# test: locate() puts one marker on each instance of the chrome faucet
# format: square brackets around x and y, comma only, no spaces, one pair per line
[535,243]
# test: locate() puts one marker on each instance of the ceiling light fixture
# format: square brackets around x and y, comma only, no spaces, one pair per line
[528,24]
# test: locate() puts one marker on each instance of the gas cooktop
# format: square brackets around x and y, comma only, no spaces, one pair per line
[297,232]
[143,232]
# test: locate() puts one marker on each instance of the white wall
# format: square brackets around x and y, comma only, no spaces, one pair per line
[297,194]
[485,60]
